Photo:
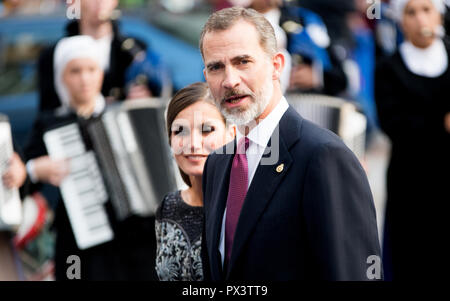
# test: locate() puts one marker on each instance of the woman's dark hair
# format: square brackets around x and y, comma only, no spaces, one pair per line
[181,100]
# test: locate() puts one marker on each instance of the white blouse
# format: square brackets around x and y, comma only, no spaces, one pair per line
[428,62]
[104,46]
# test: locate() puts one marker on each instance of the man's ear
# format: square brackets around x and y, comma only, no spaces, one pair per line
[230,133]
[204,73]
[278,65]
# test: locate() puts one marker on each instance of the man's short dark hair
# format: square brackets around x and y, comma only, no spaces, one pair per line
[226,18]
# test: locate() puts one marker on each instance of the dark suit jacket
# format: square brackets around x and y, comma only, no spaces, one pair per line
[313,220]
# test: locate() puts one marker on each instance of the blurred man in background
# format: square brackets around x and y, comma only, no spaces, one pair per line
[311,63]
[98,20]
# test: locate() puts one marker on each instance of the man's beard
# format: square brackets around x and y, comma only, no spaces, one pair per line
[258,103]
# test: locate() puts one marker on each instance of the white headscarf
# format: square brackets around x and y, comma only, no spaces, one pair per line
[430,62]
[398,7]
[67,49]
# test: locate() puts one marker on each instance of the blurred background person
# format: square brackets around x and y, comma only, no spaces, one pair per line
[78,80]
[312,65]
[352,41]
[22,38]
[359,64]
[413,107]
[195,128]
[343,66]
[387,31]
[271,10]
[28,7]
[316,66]
[119,53]
[333,13]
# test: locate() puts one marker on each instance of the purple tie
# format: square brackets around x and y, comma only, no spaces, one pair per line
[236,194]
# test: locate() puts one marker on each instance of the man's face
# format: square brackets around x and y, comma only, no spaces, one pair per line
[83,78]
[97,11]
[420,21]
[239,72]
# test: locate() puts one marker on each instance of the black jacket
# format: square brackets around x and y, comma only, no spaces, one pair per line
[114,79]
[334,78]
[129,256]
[314,219]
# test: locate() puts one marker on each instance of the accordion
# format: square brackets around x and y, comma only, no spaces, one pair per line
[123,156]
[335,114]
[10,203]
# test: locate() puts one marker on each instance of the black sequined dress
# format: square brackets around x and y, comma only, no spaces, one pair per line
[178,234]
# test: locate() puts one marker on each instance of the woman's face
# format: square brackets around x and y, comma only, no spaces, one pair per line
[83,78]
[420,22]
[196,132]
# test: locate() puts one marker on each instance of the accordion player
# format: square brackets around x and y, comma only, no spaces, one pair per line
[98,158]
[120,169]
[120,156]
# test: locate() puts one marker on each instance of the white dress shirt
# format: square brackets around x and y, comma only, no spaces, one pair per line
[258,139]
[104,46]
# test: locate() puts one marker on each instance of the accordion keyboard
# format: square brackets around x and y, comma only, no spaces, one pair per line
[83,190]
[10,204]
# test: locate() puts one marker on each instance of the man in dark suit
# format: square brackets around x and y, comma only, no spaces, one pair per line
[286,200]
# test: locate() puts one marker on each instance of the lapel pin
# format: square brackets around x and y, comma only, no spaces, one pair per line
[280,168]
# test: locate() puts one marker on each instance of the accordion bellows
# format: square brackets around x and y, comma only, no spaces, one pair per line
[122,155]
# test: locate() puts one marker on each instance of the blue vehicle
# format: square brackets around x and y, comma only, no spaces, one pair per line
[23,38]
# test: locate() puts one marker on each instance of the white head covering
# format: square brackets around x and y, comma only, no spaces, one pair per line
[66,50]
[398,7]
[430,62]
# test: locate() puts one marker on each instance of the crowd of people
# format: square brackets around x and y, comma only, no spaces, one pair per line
[309,214]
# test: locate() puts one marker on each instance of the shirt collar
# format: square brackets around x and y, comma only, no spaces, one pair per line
[263,131]
[429,62]
[100,105]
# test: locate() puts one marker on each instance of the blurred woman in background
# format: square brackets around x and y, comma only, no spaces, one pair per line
[195,128]
[413,102]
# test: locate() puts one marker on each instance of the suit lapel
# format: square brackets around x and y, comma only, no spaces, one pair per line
[265,182]
[217,208]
